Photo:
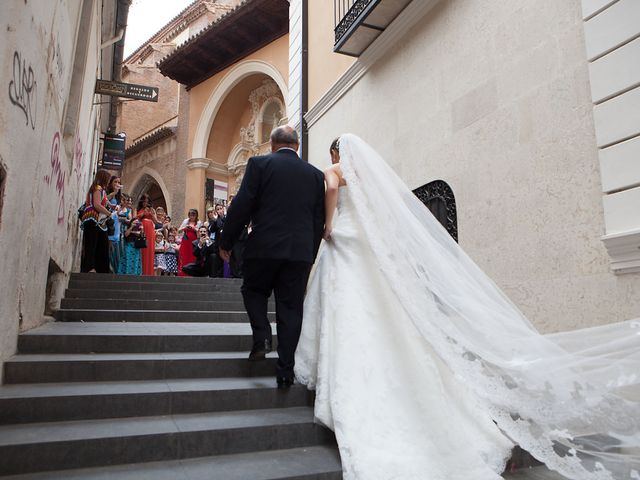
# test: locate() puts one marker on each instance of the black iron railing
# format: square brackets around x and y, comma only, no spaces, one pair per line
[345,14]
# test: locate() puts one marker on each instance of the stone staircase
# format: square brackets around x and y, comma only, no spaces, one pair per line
[147,378]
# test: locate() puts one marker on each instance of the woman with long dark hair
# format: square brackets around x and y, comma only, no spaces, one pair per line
[147,215]
[95,254]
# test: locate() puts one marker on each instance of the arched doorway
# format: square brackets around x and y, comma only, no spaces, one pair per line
[147,184]
[220,94]
[242,128]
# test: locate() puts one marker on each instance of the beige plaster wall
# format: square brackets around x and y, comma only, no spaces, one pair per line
[493,97]
[325,67]
[49,160]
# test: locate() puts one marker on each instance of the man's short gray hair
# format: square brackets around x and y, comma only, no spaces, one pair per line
[284,135]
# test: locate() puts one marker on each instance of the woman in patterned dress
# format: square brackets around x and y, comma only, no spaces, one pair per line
[95,255]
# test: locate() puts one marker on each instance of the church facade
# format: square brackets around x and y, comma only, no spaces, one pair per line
[520,112]
[222,69]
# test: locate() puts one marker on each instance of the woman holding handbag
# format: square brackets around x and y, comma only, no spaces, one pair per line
[147,215]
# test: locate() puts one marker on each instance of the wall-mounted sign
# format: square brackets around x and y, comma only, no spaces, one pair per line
[113,152]
[129,90]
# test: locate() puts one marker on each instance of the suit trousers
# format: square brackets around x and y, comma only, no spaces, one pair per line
[288,282]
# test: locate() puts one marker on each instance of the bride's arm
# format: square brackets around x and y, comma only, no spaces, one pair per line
[332,177]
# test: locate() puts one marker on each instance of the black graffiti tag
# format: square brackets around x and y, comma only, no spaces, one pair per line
[23,89]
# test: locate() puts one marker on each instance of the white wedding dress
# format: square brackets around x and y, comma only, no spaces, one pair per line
[424,370]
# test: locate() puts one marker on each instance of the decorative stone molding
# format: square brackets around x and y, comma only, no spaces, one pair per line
[195,163]
[407,19]
[624,251]
[217,169]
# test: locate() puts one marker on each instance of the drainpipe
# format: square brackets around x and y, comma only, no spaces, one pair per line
[305,80]
[122,12]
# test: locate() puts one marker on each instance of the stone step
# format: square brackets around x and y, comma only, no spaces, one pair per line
[80,444]
[52,402]
[109,278]
[90,315]
[106,367]
[321,462]
[196,304]
[136,337]
[142,287]
[109,294]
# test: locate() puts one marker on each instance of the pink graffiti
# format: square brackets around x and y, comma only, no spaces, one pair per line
[60,176]
[78,157]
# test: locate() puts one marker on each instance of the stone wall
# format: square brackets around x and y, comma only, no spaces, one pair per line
[49,62]
[493,98]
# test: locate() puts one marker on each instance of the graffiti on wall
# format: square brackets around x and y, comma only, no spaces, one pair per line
[23,89]
[78,157]
[57,176]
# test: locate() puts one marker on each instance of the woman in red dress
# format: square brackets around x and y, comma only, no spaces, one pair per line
[147,215]
[189,230]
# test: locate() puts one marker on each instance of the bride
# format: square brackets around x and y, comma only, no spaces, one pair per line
[425,370]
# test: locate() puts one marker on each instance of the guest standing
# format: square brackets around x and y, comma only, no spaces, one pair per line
[160,259]
[114,197]
[189,232]
[95,255]
[215,226]
[147,215]
[130,261]
[171,255]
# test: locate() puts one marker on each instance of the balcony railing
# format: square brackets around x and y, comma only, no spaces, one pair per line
[357,23]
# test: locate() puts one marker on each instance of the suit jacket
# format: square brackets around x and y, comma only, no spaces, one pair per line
[201,253]
[283,198]
[216,227]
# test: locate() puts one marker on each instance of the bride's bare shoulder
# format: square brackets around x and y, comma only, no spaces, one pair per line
[335,172]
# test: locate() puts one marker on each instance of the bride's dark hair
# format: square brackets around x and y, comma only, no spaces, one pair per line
[335,146]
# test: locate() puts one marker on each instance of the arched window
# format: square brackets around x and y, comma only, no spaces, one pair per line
[271,116]
[438,197]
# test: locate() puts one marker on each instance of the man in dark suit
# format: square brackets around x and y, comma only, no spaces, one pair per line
[283,198]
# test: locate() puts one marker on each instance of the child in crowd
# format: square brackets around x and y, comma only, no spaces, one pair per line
[160,262]
[171,254]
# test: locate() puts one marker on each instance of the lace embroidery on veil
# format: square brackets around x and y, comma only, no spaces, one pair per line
[563,397]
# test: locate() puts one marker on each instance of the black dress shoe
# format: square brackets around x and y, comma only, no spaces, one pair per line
[259,351]
[284,382]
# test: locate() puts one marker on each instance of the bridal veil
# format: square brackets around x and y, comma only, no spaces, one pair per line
[567,398]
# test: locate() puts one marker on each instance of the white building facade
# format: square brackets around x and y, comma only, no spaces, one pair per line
[527,110]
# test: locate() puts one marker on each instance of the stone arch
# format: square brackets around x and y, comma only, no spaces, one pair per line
[141,183]
[237,74]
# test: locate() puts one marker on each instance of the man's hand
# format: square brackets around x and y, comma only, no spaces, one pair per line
[225,254]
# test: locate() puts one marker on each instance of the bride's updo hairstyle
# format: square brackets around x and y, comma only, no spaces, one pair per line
[335,146]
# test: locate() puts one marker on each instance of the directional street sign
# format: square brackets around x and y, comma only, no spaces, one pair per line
[129,90]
